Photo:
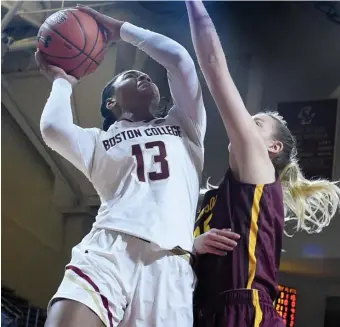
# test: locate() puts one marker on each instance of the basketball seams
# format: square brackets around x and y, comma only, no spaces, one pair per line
[62,36]
[64,50]
[81,28]
[93,47]
[102,49]
[95,43]
[81,51]
[82,63]
[60,57]
[99,53]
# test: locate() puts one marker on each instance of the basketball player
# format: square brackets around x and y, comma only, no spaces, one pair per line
[263,185]
[133,268]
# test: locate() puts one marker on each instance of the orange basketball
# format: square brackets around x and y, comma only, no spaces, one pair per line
[73,41]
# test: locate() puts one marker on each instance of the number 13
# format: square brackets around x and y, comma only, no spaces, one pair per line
[160,158]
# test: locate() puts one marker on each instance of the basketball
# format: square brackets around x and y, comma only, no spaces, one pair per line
[73,41]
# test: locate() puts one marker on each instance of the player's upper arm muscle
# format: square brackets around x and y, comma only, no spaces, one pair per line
[251,167]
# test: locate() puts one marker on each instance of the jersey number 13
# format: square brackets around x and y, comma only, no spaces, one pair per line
[160,158]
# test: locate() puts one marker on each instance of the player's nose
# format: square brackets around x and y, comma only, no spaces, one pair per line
[144,77]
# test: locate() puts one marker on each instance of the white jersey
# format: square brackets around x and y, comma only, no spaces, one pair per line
[147,174]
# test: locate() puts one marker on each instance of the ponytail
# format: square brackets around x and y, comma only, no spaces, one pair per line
[310,203]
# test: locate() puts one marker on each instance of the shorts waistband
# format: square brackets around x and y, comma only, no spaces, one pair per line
[244,296]
[186,255]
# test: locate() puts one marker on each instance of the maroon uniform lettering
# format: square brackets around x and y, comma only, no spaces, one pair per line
[245,277]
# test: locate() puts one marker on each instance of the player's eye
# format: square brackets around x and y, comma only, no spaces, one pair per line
[129,75]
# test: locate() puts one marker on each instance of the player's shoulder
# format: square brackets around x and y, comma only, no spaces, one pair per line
[172,117]
[97,133]
[93,131]
[271,192]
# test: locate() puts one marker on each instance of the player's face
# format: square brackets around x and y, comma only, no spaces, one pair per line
[267,127]
[135,90]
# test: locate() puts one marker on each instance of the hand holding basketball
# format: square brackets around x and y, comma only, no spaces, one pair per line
[111,25]
[216,241]
[52,72]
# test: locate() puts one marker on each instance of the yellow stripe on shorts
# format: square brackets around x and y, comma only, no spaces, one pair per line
[257,306]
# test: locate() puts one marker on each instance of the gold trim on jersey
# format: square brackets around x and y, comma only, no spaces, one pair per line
[255,213]
[206,210]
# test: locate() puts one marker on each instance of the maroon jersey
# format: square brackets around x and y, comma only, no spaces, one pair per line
[256,212]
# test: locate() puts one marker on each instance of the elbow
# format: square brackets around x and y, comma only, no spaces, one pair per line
[186,60]
[182,60]
[49,132]
[176,55]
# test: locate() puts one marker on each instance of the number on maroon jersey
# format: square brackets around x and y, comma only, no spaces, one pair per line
[159,158]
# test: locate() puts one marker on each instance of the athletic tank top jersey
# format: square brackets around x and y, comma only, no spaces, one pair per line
[255,212]
[147,176]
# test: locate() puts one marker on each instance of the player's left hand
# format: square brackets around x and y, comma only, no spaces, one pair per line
[52,72]
[216,241]
[111,25]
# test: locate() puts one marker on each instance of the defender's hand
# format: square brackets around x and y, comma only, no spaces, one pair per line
[216,241]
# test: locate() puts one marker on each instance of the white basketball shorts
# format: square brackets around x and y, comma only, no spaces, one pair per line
[126,283]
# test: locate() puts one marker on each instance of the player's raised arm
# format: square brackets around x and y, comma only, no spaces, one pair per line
[59,132]
[251,155]
[183,81]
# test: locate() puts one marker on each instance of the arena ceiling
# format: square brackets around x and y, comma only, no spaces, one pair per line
[24,91]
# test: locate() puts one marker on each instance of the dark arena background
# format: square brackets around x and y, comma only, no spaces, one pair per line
[18,312]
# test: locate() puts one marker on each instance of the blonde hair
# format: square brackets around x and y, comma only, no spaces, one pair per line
[309,204]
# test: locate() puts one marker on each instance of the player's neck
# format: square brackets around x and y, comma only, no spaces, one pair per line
[129,116]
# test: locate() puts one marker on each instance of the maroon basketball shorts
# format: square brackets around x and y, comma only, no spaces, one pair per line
[238,308]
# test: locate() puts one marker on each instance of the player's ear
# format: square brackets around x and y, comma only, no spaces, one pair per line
[113,106]
[110,103]
[275,147]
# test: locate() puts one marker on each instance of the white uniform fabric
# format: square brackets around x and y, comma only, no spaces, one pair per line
[131,285]
[161,211]
[147,175]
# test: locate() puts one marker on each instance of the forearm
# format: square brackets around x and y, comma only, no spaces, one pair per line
[215,70]
[169,53]
[59,132]
[57,118]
